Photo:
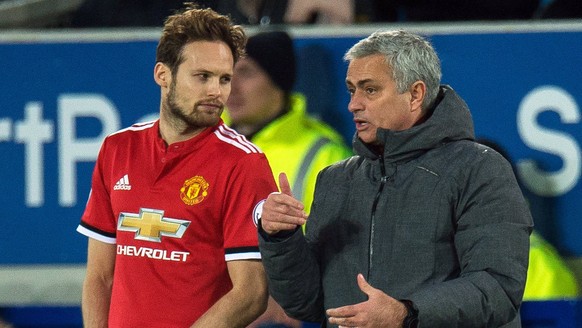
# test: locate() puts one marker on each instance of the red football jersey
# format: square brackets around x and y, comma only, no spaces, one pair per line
[177,214]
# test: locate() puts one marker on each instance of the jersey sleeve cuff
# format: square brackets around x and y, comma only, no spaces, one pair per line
[242,253]
[84,230]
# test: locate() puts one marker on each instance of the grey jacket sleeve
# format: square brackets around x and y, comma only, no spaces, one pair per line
[493,224]
[293,274]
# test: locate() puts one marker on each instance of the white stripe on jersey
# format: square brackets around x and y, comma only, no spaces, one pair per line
[243,256]
[137,127]
[94,235]
[241,138]
[232,137]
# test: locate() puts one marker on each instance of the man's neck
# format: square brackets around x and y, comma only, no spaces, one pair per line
[171,133]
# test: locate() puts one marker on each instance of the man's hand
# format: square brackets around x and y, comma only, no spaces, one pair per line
[380,310]
[282,211]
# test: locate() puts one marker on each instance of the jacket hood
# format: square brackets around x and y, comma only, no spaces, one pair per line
[450,120]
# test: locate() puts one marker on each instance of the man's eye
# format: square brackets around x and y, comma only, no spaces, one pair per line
[203,76]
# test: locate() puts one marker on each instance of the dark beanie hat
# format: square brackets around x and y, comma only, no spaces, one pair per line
[274,52]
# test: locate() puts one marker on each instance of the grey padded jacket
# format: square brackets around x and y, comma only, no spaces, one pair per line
[437,219]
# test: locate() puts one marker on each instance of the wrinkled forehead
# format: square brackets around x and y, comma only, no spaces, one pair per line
[373,67]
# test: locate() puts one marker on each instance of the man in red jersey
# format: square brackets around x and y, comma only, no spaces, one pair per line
[171,214]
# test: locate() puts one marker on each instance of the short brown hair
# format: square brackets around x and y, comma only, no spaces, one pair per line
[195,24]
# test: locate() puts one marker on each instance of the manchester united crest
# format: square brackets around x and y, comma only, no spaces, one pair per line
[194,190]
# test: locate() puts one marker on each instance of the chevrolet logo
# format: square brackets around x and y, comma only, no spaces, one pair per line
[151,225]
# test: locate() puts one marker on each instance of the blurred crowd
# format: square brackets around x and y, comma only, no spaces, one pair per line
[144,13]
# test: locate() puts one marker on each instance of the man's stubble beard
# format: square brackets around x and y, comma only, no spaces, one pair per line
[179,117]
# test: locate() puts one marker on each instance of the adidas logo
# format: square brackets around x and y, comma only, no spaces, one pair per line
[122,184]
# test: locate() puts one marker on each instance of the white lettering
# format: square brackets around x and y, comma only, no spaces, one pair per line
[5,129]
[33,132]
[122,249]
[158,254]
[179,256]
[73,149]
[147,252]
[535,136]
[121,187]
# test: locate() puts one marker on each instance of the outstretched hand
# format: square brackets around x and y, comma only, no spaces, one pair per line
[282,211]
[380,310]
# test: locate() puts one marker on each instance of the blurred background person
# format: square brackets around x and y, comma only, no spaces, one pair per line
[128,13]
[253,12]
[266,12]
[144,13]
[263,107]
[548,276]
[320,11]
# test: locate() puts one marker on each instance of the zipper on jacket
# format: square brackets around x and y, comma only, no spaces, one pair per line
[373,216]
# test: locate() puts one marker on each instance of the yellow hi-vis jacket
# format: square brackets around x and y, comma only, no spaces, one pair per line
[300,146]
[548,276]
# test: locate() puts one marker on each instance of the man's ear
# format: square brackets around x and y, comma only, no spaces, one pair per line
[162,74]
[417,94]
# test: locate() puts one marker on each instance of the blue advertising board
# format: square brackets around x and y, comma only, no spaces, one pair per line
[62,95]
